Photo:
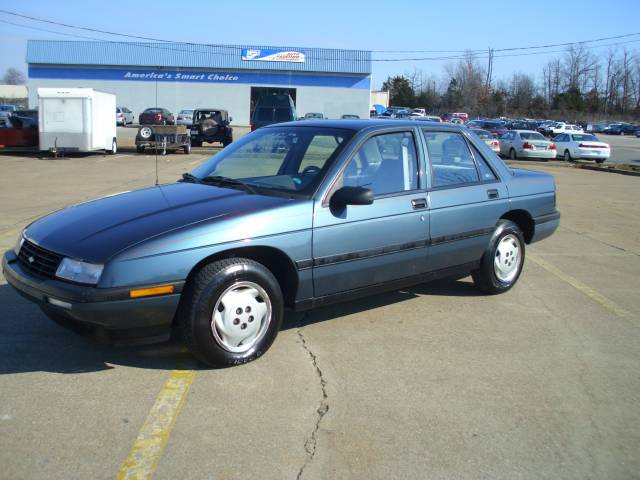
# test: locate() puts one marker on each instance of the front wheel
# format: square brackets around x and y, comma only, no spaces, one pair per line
[503,260]
[512,154]
[231,312]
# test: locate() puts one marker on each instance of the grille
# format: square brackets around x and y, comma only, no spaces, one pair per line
[38,260]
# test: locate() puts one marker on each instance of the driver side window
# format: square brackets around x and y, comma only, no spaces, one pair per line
[385,164]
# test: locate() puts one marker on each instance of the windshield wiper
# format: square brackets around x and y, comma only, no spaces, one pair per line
[231,182]
[190,178]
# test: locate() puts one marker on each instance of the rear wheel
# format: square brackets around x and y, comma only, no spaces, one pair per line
[567,156]
[502,261]
[231,312]
[187,148]
[139,149]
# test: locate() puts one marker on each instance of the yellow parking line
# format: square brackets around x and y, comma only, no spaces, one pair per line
[585,289]
[146,451]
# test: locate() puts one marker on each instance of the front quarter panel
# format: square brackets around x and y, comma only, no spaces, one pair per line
[171,256]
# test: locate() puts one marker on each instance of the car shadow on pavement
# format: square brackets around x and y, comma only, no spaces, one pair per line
[31,342]
[445,287]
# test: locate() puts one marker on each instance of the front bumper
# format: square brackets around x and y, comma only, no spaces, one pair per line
[107,314]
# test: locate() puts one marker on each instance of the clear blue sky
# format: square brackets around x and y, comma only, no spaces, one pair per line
[372,25]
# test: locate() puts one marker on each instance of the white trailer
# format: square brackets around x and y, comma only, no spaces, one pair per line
[76,120]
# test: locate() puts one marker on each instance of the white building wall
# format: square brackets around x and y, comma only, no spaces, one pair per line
[333,102]
[235,98]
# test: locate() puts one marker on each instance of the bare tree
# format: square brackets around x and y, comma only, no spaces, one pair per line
[13,76]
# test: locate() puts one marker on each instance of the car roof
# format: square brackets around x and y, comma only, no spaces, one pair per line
[365,123]
[207,109]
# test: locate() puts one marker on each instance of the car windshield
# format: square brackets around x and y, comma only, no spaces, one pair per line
[585,138]
[153,110]
[531,136]
[483,134]
[278,160]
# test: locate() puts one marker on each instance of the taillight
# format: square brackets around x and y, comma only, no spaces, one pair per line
[495,143]
[159,116]
[553,147]
[527,146]
[253,128]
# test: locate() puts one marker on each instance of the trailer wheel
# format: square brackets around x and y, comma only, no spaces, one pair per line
[114,147]
[187,148]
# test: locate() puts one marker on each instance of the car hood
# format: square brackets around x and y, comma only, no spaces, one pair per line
[95,231]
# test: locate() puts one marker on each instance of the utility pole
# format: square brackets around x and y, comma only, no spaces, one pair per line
[489,69]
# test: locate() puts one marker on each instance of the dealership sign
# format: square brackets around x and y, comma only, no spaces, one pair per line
[270,55]
[200,76]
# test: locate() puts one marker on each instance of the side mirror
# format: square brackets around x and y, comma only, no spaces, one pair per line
[351,196]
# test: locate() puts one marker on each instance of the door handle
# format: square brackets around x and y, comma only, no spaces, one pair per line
[493,193]
[418,203]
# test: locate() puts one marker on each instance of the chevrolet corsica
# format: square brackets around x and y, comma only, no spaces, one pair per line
[294,215]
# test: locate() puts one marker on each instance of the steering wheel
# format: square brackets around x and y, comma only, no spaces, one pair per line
[310,170]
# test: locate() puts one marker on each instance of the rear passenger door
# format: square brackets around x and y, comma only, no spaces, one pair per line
[364,245]
[466,199]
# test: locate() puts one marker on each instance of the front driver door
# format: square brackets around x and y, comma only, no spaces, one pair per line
[365,245]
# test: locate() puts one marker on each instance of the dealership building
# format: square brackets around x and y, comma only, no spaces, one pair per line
[180,76]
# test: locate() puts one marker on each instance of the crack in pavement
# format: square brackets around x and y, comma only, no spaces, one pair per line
[311,443]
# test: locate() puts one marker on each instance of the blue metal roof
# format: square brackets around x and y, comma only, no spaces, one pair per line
[54,52]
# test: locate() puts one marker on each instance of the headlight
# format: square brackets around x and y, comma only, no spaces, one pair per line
[80,272]
[19,243]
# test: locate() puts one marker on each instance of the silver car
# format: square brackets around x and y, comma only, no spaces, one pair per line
[185,117]
[492,142]
[124,116]
[526,144]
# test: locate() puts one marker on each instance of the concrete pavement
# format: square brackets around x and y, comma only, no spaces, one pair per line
[436,381]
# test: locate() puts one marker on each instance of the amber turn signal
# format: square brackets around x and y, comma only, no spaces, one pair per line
[148,292]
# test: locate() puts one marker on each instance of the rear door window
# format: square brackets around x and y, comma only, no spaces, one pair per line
[451,160]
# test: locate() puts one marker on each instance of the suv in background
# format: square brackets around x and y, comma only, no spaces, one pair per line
[211,125]
[272,109]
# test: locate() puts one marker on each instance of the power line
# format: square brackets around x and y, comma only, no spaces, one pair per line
[162,42]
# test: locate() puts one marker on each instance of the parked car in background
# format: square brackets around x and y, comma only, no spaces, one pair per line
[156,116]
[546,128]
[562,127]
[272,109]
[5,111]
[487,137]
[572,146]
[496,127]
[351,116]
[428,118]
[526,144]
[124,116]
[620,129]
[291,216]
[313,116]
[185,117]
[211,125]
[521,125]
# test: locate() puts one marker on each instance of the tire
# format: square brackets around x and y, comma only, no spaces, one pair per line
[599,160]
[114,147]
[242,284]
[226,142]
[512,154]
[187,149]
[139,149]
[567,156]
[506,242]
[145,132]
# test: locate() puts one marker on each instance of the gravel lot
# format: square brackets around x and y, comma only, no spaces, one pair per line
[435,381]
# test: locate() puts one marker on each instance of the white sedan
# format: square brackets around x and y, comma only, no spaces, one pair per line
[581,145]
[565,128]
